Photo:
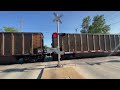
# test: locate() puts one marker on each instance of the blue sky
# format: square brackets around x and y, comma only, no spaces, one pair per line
[42,21]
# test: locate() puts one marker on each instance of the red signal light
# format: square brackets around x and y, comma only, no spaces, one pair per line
[54,35]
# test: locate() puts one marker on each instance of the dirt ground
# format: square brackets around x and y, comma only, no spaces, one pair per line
[61,73]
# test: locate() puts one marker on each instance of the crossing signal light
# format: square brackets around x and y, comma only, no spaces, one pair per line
[60,34]
[54,35]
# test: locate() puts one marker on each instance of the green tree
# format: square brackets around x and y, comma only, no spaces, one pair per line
[45,47]
[10,29]
[98,25]
[85,24]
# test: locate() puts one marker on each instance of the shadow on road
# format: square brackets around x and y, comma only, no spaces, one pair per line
[19,70]
[14,70]
[114,61]
[99,63]
[40,75]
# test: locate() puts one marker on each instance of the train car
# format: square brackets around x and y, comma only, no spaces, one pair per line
[87,45]
[21,45]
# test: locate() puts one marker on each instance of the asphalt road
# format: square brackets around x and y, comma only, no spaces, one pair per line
[100,68]
[95,68]
[24,71]
[90,68]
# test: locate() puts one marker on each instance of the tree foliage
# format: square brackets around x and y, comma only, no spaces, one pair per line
[45,47]
[98,25]
[85,24]
[9,29]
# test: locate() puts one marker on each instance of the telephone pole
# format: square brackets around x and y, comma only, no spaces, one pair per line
[58,21]
[76,30]
[21,25]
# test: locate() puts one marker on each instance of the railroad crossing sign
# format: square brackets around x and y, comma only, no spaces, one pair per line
[57,19]
[51,50]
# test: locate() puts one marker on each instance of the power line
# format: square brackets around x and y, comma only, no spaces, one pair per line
[111,14]
[115,23]
[112,18]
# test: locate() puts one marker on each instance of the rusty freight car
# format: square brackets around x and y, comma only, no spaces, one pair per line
[87,45]
[25,45]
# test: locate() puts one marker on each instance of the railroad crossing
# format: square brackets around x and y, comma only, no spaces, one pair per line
[87,68]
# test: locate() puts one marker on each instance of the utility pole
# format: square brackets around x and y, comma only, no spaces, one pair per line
[21,25]
[58,21]
[76,30]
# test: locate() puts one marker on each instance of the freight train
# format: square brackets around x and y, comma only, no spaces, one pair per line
[28,46]
[87,45]
[21,45]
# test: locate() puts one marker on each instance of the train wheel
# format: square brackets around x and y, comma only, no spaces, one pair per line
[26,59]
[34,60]
[21,60]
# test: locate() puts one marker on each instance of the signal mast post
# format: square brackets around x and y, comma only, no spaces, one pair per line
[58,45]
[58,21]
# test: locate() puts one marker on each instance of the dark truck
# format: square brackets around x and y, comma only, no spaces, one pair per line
[21,45]
[87,45]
